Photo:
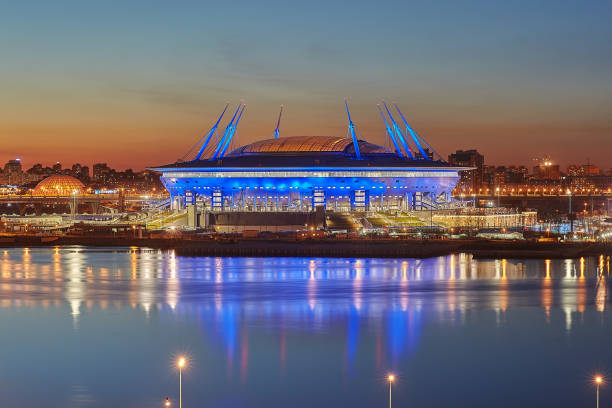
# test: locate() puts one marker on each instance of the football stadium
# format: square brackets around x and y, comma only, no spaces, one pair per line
[342,174]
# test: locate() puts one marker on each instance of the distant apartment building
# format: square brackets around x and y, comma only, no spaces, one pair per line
[13,174]
[505,176]
[471,180]
[547,171]
[583,170]
[80,172]
[586,177]
[101,172]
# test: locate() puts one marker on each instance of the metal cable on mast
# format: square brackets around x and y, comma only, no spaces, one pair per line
[418,137]
[228,129]
[398,132]
[207,136]
[412,134]
[390,132]
[232,133]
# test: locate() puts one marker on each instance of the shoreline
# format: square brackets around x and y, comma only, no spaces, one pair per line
[331,248]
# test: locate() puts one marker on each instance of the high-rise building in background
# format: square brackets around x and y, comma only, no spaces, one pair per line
[471,180]
[13,172]
[584,176]
[547,171]
[583,170]
[101,171]
[80,172]
[13,166]
[504,176]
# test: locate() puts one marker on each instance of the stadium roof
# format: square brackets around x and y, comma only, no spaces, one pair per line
[306,151]
[308,144]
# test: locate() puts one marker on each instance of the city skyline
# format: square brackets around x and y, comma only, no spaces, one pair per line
[531,166]
[84,83]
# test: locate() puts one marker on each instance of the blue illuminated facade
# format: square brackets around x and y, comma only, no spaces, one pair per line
[257,178]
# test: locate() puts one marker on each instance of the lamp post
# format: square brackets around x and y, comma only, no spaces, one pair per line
[167,402]
[181,363]
[598,381]
[74,209]
[390,380]
[569,194]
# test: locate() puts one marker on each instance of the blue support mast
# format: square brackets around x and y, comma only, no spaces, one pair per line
[278,122]
[232,132]
[412,134]
[398,133]
[228,129]
[390,132]
[210,134]
[351,128]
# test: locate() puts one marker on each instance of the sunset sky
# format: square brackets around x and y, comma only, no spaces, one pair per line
[135,84]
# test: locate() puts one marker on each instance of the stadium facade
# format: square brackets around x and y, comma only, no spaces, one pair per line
[301,173]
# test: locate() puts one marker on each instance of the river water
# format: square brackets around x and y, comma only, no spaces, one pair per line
[103,327]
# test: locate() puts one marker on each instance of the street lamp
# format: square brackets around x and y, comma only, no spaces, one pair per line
[598,381]
[390,380]
[569,194]
[181,363]
[167,402]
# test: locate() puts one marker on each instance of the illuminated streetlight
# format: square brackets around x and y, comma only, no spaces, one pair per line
[167,402]
[598,381]
[181,363]
[390,380]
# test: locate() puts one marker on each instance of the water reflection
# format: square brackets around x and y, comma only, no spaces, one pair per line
[156,278]
[379,309]
[302,291]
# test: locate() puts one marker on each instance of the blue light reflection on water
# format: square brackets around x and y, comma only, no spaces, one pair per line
[100,327]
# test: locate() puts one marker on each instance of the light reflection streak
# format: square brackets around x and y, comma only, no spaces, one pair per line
[27,258]
[547,291]
[581,294]
[133,292]
[147,286]
[173,286]
[75,287]
[464,261]
[311,285]
[501,272]
[404,286]
[357,284]
[601,293]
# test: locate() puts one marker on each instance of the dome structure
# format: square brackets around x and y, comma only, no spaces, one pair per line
[59,185]
[308,144]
